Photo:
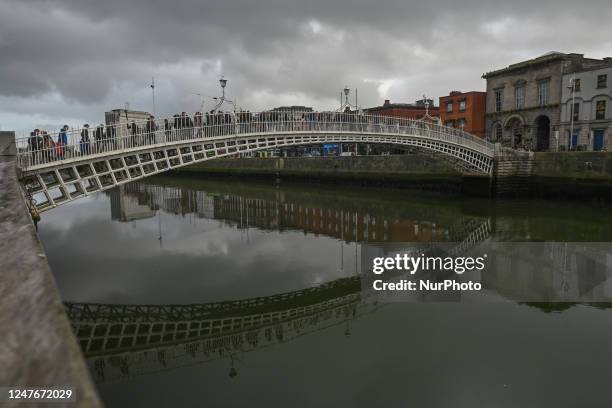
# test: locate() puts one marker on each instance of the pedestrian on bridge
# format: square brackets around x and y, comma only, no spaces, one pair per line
[35,145]
[84,144]
[151,129]
[48,147]
[62,142]
[99,135]
[111,139]
[133,132]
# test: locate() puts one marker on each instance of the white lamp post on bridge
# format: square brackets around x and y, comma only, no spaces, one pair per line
[222,99]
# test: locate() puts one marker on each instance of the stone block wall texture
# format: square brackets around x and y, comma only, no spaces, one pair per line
[7,143]
[585,165]
[37,346]
[397,164]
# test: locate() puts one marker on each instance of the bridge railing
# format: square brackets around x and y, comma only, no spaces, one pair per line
[47,148]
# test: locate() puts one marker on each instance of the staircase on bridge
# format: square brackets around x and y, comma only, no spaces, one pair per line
[512,171]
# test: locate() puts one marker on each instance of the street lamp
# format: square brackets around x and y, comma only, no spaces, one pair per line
[223,83]
[572,86]
[346,104]
[427,115]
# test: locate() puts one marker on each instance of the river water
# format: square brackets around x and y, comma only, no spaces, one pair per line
[190,292]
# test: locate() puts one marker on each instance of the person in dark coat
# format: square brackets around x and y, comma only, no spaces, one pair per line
[151,128]
[84,143]
[99,136]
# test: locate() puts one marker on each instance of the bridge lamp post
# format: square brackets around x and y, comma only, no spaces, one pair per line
[223,82]
[346,91]
[222,99]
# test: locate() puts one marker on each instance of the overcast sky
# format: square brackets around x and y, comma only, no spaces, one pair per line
[69,61]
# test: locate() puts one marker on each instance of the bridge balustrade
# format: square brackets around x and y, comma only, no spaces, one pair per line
[44,150]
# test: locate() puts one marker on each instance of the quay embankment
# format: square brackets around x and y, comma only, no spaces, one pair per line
[553,174]
[38,347]
[572,174]
[419,171]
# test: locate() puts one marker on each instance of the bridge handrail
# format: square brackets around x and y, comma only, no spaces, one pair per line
[39,150]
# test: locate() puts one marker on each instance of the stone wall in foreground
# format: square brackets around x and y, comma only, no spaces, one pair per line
[37,345]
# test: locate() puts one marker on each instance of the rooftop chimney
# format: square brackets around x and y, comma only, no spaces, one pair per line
[387,102]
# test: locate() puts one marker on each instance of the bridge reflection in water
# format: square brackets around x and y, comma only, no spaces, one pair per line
[124,341]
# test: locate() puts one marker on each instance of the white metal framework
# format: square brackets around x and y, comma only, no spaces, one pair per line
[84,161]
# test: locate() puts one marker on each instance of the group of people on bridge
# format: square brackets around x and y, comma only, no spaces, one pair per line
[131,134]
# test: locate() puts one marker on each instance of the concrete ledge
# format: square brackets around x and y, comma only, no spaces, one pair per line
[37,346]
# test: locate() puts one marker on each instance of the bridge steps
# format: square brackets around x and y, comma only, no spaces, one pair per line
[512,176]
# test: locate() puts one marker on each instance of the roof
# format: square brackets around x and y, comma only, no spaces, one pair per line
[459,93]
[401,106]
[293,108]
[550,56]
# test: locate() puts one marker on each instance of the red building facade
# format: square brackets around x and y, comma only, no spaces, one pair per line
[464,110]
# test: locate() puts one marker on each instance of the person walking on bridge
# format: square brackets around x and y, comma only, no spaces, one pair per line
[35,144]
[99,134]
[111,137]
[48,147]
[84,144]
[133,131]
[62,142]
[151,129]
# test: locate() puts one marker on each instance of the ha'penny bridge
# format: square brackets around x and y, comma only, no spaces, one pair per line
[124,152]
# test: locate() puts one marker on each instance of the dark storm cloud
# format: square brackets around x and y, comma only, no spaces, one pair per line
[87,56]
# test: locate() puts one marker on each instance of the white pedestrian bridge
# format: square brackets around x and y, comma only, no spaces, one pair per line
[103,157]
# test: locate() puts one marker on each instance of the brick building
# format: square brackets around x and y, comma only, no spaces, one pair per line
[415,110]
[523,106]
[464,110]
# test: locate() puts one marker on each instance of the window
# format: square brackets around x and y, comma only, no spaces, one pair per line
[497,132]
[600,110]
[462,106]
[449,106]
[519,97]
[450,123]
[602,81]
[576,84]
[576,112]
[499,98]
[461,123]
[543,92]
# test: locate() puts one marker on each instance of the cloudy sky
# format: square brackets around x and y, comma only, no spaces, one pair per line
[68,61]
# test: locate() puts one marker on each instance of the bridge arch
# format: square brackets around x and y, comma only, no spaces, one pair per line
[83,168]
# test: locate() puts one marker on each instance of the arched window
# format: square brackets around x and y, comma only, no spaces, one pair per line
[497,132]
